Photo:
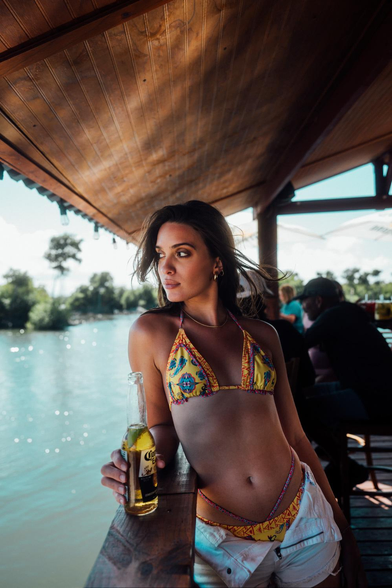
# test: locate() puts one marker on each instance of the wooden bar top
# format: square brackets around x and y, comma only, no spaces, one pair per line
[155,550]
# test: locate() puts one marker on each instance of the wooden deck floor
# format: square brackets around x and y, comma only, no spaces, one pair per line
[371,520]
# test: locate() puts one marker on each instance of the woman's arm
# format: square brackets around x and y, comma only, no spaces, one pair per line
[292,428]
[288,317]
[144,341]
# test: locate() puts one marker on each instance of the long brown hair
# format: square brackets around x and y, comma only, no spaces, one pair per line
[216,234]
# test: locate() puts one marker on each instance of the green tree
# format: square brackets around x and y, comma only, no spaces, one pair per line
[358,285]
[103,292]
[62,249]
[145,297]
[18,297]
[81,300]
[100,296]
[328,274]
[49,314]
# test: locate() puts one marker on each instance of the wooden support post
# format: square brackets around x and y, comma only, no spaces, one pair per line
[379,180]
[268,254]
[382,181]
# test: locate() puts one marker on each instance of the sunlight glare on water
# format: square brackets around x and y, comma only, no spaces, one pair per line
[63,398]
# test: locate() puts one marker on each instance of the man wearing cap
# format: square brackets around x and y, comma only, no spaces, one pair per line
[362,362]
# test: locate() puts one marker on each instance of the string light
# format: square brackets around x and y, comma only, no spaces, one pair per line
[114,243]
[63,214]
[96,232]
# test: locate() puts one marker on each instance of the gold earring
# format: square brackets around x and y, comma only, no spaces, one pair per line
[221,273]
[215,277]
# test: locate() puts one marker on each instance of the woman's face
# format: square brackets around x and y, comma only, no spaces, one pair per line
[185,266]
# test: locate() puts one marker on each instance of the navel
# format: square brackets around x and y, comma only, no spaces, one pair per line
[249,479]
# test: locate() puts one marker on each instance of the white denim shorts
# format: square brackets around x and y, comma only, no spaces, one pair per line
[308,554]
[302,569]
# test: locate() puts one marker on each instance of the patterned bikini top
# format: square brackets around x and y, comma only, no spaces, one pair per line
[188,374]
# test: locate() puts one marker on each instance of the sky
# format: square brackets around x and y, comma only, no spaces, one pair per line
[28,220]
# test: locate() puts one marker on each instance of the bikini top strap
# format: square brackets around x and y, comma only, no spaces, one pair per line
[181,318]
[235,320]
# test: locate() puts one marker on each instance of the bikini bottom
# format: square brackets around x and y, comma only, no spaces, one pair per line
[270,530]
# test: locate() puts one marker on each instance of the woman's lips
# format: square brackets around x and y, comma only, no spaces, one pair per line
[170,286]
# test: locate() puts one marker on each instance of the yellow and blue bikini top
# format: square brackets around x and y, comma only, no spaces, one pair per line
[188,375]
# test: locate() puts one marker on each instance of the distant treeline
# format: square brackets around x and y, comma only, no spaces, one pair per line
[22,305]
[356,284]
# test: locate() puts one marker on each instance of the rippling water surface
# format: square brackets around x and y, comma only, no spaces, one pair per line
[62,412]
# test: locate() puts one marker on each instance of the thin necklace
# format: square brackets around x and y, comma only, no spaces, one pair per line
[208,326]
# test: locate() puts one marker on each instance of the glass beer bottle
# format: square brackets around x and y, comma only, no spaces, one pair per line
[138,448]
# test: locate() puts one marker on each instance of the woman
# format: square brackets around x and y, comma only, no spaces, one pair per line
[216,381]
[291,310]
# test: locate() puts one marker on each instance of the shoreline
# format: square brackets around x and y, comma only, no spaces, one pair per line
[90,317]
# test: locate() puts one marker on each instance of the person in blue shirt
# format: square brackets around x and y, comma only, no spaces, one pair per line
[291,310]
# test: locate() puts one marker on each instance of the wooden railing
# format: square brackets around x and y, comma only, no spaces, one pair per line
[156,550]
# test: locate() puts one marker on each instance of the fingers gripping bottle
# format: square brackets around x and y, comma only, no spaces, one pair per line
[138,448]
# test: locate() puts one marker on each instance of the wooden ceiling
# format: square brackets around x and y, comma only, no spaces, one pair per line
[119,108]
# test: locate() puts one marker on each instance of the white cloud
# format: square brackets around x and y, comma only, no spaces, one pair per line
[24,251]
[302,254]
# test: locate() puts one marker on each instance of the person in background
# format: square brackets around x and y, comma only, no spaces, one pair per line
[319,358]
[291,310]
[362,362]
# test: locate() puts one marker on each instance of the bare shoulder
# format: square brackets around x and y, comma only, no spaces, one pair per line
[257,326]
[264,333]
[152,323]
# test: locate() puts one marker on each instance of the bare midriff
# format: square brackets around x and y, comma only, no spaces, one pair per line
[236,444]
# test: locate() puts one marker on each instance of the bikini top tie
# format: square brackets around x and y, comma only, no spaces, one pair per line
[188,374]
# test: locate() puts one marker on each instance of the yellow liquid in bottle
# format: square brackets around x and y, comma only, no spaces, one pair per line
[139,447]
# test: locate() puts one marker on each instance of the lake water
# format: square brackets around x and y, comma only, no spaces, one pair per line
[63,398]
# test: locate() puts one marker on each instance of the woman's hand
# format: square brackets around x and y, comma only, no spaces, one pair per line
[115,474]
[353,571]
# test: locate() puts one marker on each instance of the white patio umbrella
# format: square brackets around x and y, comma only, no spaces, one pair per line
[247,234]
[374,227]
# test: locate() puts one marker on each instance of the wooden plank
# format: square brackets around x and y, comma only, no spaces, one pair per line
[371,523]
[156,550]
[363,66]
[380,502]
[376,548]
[11,157]
[378,579]
[365,536]
[374,562]
[373,513]
[73,32]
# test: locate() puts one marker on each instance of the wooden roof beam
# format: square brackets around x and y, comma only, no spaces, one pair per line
[76,31]
[337,205]
[27,168]
[362,67]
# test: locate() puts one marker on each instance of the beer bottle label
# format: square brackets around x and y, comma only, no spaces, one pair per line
[147,470]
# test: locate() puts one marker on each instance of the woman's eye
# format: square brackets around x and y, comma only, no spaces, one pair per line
[182,253]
